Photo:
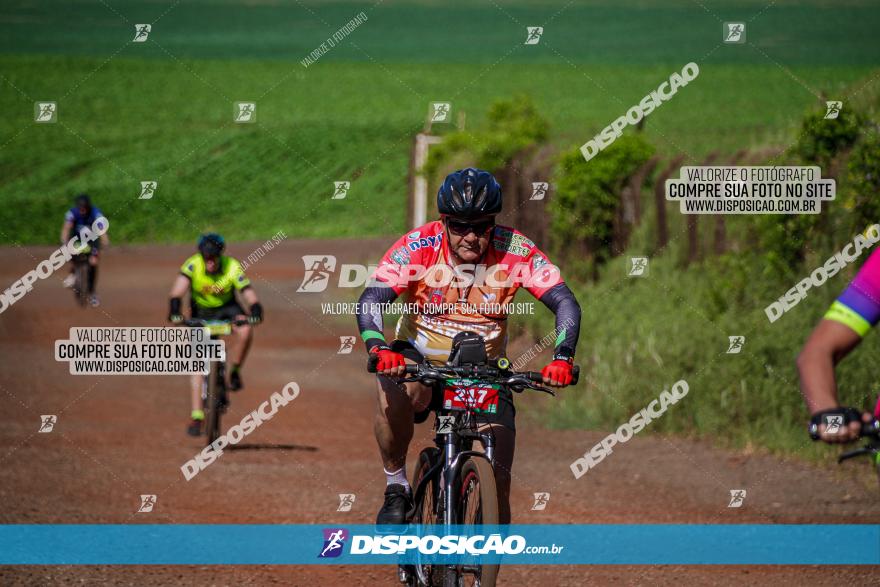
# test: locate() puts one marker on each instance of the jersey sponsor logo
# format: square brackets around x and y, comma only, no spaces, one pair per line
[511,242]
[401,256]
[414,235]
[428,241]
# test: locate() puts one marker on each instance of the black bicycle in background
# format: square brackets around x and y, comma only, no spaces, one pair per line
[453,484]
[871,432]
[215,398]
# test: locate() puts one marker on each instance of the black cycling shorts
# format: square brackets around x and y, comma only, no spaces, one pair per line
[506,415]
[227,311]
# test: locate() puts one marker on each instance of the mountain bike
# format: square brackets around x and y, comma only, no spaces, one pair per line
[871,432]
[452,483]
[215,398]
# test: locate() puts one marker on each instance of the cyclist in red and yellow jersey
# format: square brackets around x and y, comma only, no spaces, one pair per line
[461,272]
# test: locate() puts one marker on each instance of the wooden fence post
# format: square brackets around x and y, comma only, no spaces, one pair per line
[660,202]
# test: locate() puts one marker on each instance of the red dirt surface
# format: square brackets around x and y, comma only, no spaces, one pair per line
[118,437]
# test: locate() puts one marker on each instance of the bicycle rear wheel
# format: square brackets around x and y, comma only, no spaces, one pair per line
[212,404]
[427,509]
[477,505]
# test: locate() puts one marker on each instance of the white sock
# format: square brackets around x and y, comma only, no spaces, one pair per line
[398,476]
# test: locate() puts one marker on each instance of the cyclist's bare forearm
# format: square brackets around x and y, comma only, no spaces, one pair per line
[250,296]
[828,344]
[180,287]
[65,232]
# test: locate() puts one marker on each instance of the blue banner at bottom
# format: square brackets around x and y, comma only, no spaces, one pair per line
[643,544]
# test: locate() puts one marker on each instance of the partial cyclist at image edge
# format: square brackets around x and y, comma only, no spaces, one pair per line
[847,321]
[465,235]
[212,280]
[82,216]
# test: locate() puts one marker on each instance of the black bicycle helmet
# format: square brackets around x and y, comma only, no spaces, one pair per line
[211,244]
[469,193]
[83,200]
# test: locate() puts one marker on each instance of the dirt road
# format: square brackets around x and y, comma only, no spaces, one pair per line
[119,437]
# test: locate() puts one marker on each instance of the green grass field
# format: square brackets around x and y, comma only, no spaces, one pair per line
[162,110]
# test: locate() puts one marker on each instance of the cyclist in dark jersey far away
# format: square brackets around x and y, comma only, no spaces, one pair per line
[83,215]
[849,319]
[466,235]
[212,278]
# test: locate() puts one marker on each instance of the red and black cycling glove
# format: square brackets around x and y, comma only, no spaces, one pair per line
[559,372]
[385,358]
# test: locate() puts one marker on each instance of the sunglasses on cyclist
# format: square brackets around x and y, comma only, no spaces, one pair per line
[462,228]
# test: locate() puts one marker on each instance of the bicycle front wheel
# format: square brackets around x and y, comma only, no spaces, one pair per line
[427,513]
[81,285]
[477,505]
[213,405]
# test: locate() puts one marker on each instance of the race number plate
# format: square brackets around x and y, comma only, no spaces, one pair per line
[469,394]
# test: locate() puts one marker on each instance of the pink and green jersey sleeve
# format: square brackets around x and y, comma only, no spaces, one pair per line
[859,305]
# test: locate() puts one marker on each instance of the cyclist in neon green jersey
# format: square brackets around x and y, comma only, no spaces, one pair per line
[212,280]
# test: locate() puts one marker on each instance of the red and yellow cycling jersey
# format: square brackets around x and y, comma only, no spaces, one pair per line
[456,298]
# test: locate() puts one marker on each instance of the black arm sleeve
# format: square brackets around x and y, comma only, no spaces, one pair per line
[563,304]
[369,313]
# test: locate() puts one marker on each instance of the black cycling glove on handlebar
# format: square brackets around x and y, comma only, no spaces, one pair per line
[256,313]
[847,415]
[174,314]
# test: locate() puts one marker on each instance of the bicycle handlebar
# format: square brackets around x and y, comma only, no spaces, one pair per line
[517,381]
[199,323]
[868,429]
